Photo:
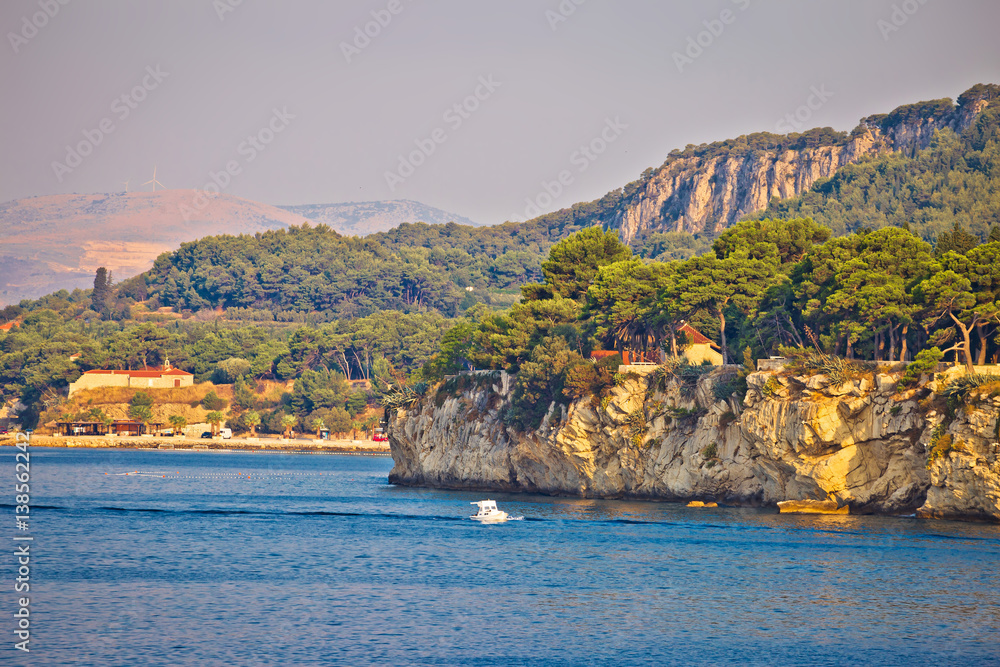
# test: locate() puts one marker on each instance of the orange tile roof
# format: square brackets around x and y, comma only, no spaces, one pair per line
[145,373]
[696,336]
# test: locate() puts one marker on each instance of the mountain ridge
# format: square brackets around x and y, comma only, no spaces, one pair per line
[369,217]
[54,242]
[710,187]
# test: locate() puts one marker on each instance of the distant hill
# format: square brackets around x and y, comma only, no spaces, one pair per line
[367,217]
[57,242]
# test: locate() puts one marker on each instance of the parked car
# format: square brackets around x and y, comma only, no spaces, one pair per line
[206,434]
[380,437]
[226,433]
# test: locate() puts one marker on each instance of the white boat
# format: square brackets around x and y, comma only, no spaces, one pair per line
[488,512]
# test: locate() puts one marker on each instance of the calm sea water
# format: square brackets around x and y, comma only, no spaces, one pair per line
[315,559]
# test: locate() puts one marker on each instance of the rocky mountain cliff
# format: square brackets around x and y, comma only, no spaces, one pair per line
[860,444]
[710,187]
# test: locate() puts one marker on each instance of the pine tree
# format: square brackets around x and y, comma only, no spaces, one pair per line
[102,290]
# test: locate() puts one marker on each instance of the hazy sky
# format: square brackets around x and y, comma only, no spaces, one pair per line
[304,107]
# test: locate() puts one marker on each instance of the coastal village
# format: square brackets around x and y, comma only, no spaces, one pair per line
[172,420]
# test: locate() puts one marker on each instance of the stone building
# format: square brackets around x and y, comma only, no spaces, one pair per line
[701,349]
[155,377]
[697,351]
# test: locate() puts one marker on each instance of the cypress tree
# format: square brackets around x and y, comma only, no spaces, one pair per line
[102,290]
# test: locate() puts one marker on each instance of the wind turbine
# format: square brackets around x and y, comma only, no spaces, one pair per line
[154,181]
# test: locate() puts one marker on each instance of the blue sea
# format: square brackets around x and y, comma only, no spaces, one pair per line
[228,558]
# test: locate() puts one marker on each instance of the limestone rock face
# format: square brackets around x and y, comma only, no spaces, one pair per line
[697,194]
[965,482]
[858,443]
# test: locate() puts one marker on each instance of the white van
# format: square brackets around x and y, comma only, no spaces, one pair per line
[226,433]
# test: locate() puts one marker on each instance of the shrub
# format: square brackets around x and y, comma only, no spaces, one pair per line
[587,379]
[229,370]
[749,365]
[676,369]
[636,421]
[925,362]
[940,447]
[610,363]
[213,402]
[540,381]
[405,396]
[960,389]
[682,413]
[580,379]
[710,451]
[141,399]
[622,378]
[356,402]
[244,397]
[839,370]
[140,413]
[731,384]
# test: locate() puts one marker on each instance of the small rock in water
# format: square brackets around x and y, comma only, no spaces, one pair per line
[812,507]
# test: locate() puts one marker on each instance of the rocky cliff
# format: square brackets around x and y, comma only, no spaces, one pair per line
[859,443]
[709,188]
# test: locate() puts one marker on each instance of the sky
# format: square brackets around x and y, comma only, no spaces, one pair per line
[491,110]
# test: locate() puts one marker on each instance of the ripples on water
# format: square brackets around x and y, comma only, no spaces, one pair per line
[317,560]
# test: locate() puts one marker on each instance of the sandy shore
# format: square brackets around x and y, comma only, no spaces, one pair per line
[202,444]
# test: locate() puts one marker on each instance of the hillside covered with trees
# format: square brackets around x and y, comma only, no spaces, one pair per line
[891,256]
[768,287]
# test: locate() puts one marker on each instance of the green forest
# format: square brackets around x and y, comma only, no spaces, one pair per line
[891,256]
[768,287]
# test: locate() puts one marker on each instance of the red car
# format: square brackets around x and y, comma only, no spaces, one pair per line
[380,437]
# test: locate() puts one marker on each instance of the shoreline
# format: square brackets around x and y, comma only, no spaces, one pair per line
[253,445]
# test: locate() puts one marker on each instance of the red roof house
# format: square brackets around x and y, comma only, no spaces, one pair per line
[155,377]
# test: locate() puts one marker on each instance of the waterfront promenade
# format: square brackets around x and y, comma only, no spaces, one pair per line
[262,443]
